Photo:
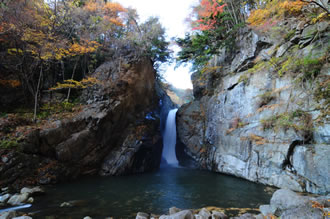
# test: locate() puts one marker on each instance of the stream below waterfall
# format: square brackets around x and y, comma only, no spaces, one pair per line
[124,196]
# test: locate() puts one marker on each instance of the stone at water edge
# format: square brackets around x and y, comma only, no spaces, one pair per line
[32,191]
[284,199]
[185,214]
[174,210]
[7,215]
[142,215]
[218,215]
[245,216]
[204,213]
[18,199]
[4,198]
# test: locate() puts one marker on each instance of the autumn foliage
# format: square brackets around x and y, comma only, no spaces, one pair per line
[274,11]
[208,12]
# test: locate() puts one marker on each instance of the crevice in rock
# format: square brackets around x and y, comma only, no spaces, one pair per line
[287,162]
[232,87]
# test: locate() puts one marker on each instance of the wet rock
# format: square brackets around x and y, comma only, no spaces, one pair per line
[4,198]
[87,217]
[142,215]
[18,199]
[7,215]
[30,200]
[174,210]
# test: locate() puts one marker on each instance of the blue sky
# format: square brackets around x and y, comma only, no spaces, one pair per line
[172,15]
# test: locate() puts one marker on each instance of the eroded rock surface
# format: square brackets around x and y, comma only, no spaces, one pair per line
[260,120]
[117,132]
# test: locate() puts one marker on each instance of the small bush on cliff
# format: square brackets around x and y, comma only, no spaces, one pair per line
[298,120]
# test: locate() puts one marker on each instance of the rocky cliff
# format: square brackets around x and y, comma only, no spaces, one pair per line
[262,113]
[117,132]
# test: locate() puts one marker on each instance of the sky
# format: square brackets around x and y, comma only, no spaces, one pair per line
[172,15]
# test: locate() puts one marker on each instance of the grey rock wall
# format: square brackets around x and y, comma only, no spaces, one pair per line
[231,129]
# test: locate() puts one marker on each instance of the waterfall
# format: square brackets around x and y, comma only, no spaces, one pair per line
[169,139]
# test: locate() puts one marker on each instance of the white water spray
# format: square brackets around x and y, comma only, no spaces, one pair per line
[169,139]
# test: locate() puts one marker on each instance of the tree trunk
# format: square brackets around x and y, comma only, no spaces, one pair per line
[74,70]
[36,96]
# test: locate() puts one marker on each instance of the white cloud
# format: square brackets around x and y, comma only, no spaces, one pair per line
[172,15]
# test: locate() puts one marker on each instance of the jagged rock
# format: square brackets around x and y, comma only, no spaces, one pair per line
[280,52]
[112,135]
[18,199]
[226,130]
[142,215]
[7,215]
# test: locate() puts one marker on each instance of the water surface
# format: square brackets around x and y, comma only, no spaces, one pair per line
[124,196]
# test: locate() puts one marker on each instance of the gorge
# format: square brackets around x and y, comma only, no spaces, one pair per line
[88,126]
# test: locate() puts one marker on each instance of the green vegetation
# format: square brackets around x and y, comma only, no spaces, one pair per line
[297,120]
[9,143]
[265,98]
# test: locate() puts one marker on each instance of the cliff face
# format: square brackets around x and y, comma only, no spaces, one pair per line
[263,113]
[118,132]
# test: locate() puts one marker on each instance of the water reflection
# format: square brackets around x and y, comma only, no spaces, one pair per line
[122,197]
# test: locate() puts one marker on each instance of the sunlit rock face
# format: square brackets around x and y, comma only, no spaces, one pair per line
[255,119]
[117,132]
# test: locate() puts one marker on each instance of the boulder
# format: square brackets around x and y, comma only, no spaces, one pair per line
[18,199]
[284,199]
[33,191]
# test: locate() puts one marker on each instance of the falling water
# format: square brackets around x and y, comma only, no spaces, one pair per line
[169,139]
